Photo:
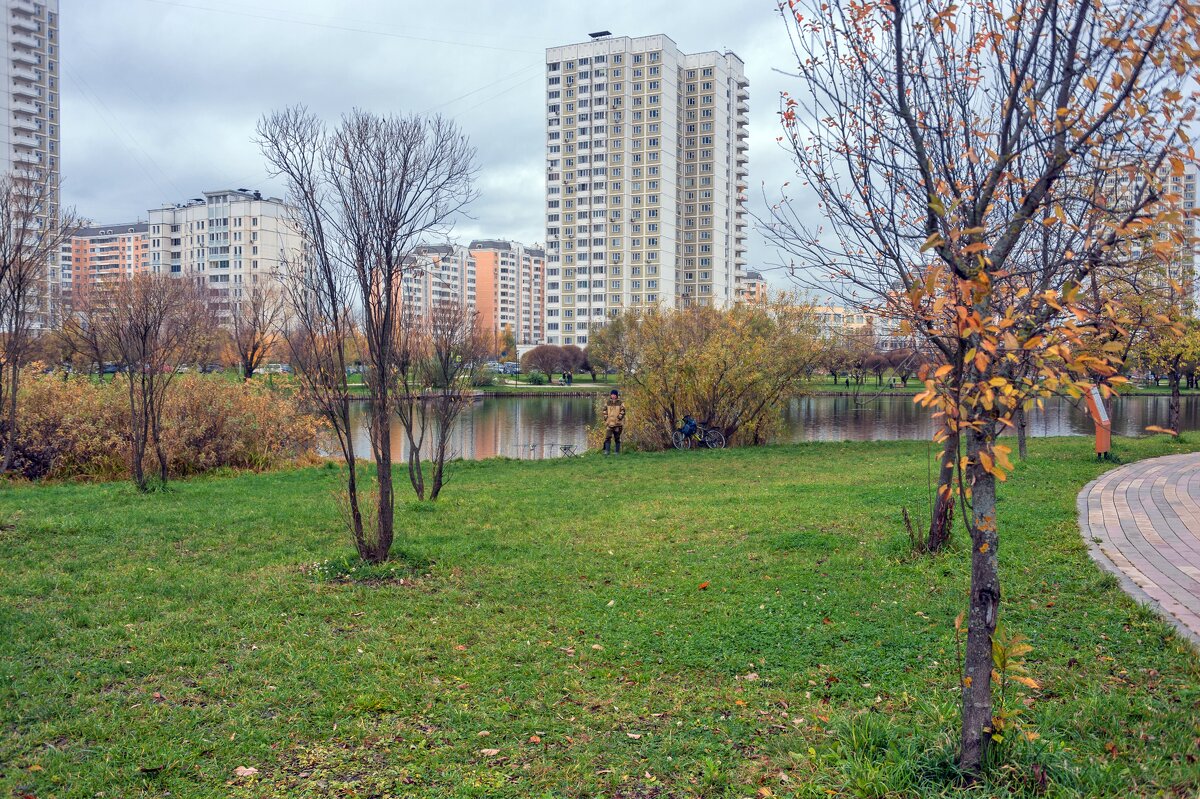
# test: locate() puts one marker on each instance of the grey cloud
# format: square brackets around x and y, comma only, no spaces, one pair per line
[160,97]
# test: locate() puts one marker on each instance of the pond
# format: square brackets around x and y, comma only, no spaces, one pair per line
[538,427]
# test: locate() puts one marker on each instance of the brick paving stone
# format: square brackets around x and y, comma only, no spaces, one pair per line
[1142,523]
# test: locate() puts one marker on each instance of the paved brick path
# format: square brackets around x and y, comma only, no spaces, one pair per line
[1142,522]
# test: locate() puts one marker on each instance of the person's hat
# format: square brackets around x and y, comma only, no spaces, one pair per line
[614,393]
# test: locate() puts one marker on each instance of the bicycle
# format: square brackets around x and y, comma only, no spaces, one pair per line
[692,433]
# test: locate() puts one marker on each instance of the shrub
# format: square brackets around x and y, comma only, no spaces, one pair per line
[730,369]
[75,427]
[538,378]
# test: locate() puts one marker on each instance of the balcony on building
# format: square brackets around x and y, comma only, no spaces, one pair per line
[21,23]
[23,40]
[24,89]
[742,106]
[21,56]
[24,140]
[23,7]
[22,122]
[24,73]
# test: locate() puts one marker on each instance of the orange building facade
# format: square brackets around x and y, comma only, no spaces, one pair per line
[752,287]
[510,289]
[103,253]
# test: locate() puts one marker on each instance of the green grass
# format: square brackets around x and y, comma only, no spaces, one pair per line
[154,644]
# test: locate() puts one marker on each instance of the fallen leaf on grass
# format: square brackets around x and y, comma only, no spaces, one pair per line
[704,586]
[634,735]
[245,771]
[534,739]
[489,752]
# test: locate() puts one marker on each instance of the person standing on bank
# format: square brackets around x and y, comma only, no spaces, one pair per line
[614,420]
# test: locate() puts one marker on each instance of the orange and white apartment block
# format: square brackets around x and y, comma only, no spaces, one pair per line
[510,285]
[102,254]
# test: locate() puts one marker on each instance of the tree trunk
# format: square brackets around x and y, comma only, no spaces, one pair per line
[137,440]
[356,521]
[10,443]
[1173,407]
[154,413]
[1022,432]
[381,443]
[941,523]
[984,606]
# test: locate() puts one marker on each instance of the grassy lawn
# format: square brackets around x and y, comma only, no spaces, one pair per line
[558,643]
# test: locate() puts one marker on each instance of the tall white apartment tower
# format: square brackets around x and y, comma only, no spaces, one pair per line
[645,180]
[30,99]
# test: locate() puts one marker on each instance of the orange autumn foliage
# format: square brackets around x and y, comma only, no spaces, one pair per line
[76,428]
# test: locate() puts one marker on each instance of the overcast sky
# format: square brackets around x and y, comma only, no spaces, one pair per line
[160,97]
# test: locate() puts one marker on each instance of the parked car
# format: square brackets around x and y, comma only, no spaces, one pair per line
[511,368]
[282,369]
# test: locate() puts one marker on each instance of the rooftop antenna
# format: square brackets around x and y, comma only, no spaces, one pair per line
[600,34]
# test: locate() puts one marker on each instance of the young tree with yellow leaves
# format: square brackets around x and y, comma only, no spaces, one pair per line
[955,148]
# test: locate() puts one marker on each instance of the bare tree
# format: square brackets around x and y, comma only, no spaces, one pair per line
[367,194]
[156,324]
[255,319]
[32,230]
[457,344]
[82,328]
[955,151]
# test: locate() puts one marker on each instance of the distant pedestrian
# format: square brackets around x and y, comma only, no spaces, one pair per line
[614,421]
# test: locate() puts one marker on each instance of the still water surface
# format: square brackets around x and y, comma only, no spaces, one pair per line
[538,427]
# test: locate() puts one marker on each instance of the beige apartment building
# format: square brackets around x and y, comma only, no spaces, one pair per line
[510,289]
[230,239]
[646,171]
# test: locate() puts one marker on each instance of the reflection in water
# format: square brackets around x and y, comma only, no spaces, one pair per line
[532,428]
[889,418]
[528,428]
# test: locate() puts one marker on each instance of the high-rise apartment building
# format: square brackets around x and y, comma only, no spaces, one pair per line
[510,289]
[645,180]
[102,254]
[438,274]
[1184,187]
[229,239]
[30,102]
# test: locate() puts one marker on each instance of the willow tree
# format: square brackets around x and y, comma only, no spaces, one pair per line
[366,194]
[977,161]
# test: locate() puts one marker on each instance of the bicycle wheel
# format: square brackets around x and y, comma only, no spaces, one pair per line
[680,440]
[714,438]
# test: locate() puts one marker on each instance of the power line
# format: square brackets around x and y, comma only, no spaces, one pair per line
[113,122]
[346,28]
[482,88]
